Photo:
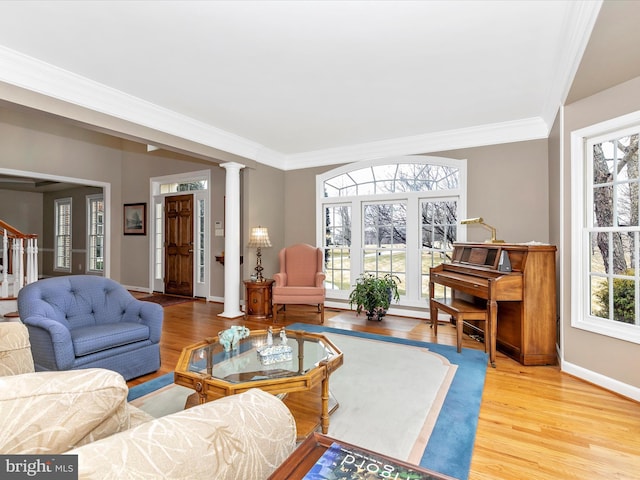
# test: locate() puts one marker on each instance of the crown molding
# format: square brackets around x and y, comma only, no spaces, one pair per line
[532,128]
[34,75]
[31,74]
[579,21]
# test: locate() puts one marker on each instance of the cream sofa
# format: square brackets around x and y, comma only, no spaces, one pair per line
[85,413]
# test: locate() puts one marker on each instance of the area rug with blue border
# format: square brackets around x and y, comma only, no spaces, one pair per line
[451,438]
[451,442]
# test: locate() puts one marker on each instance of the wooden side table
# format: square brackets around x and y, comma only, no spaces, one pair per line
[257,300]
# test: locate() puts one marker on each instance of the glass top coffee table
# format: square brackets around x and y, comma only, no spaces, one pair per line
[298,366]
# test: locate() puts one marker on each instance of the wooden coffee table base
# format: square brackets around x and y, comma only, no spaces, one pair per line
[306,408]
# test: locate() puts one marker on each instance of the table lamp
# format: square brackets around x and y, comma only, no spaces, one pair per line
[259,238]
[480,221]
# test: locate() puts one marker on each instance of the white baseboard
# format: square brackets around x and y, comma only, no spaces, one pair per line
[138,289]
[133,288]
[399,312]
[603,381]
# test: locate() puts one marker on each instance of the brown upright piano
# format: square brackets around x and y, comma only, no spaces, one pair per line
[520,299]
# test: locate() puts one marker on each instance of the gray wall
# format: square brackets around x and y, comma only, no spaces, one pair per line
[37,143]
[263,204]
[138,168]
[22,210]
[42,144]
[603,355]
[300,206]
[508,187]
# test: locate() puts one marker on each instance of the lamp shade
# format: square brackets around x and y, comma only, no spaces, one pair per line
[259,238]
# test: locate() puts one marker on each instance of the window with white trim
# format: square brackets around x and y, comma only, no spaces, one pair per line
[606,228]
[62,242]
[337,246]
[158,221]
[184,186]
[201,240]
[95,233]
[390,216]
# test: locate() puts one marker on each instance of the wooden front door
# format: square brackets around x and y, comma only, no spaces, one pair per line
[178,256]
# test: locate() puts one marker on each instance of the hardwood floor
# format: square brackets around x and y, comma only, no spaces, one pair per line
[535,422]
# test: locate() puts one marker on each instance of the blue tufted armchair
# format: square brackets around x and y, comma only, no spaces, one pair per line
[85,321]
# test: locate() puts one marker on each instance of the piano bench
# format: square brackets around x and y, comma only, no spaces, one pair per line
[460,310]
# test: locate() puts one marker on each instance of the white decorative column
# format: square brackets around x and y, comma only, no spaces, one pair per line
[232,241]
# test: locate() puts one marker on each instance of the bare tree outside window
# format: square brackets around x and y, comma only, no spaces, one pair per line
[382,195]
[614,229]
[337,246]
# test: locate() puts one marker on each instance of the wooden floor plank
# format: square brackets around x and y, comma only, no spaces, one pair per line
[535,422]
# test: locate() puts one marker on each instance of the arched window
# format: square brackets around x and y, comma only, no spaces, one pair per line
[395,215]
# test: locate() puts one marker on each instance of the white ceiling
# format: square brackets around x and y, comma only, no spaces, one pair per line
[303,83]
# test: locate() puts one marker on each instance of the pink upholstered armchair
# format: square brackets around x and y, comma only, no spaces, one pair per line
[300,280]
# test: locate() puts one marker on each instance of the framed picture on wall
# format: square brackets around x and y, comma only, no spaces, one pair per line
[135,218]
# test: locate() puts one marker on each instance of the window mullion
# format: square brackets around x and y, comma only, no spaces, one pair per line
[413,260]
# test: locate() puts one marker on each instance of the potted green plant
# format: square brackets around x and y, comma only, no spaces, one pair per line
[374,294]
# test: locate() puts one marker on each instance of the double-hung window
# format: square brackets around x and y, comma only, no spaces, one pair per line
[62,247]
[384,246]
[606,228]
[95,233]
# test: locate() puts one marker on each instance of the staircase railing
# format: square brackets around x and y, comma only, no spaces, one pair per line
[19,260]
